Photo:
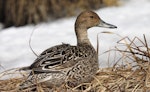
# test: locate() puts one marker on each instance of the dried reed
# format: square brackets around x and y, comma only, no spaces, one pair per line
[133,75]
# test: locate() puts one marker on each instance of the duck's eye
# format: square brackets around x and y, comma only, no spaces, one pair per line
[91,16]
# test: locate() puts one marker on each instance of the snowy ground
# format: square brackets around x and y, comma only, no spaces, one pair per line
[132,19]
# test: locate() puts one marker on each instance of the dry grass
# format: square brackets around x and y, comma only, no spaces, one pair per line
[21,12]
[130,73]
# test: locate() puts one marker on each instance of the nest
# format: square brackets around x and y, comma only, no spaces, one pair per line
[130,73]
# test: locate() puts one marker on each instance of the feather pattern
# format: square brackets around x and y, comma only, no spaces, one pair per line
[66,64]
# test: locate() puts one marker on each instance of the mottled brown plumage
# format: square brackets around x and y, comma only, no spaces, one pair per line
[66,64]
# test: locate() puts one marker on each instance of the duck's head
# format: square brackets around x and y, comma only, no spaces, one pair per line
[88,19]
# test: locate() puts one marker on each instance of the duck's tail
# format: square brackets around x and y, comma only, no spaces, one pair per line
[25,68]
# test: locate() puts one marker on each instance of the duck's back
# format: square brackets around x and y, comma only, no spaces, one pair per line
[62,56]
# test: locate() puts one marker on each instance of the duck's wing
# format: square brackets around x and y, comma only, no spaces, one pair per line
[55,58]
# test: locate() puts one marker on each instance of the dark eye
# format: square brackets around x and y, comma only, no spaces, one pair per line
[91,16]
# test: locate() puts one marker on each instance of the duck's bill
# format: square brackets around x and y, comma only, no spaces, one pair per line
[106,25]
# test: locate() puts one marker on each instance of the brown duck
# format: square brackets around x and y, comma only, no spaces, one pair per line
[66,64]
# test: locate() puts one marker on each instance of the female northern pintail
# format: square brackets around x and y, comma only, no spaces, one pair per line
[66,64]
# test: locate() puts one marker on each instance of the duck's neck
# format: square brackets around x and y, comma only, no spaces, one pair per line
[82,36]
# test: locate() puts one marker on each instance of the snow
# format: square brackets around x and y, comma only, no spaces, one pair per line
[131,18]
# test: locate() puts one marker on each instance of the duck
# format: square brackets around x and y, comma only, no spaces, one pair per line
[67,64]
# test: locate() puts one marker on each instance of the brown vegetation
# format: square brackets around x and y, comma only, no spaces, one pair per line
[21,12]
[130,73]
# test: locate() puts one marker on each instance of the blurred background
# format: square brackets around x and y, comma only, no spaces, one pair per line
[22,12]
[53,24]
